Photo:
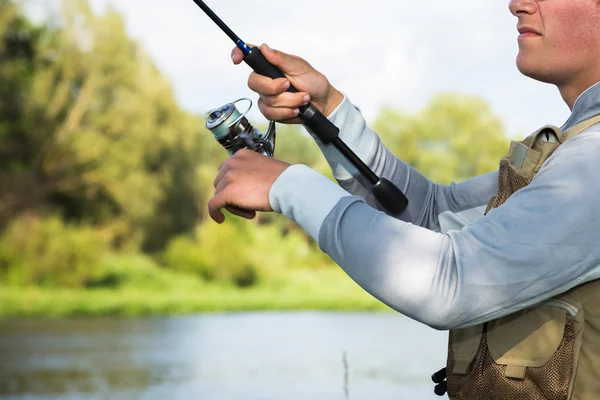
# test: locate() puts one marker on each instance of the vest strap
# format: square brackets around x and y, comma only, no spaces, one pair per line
[515,372]
[461,367]
[580,127]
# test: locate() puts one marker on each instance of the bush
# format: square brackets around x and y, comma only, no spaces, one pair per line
[183,254]
[218,253]
[138,271]
[244,275]
[243,252]
[47,252]
[274,250]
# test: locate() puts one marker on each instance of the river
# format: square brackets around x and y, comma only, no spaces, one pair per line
[262,356]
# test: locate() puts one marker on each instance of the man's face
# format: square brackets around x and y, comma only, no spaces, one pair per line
[559,40]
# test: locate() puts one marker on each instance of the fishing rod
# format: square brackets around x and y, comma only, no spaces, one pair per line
[385,192]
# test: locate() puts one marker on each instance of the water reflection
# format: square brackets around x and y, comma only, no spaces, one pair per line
[233,356]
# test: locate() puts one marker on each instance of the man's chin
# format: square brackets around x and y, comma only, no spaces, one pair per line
[534,71]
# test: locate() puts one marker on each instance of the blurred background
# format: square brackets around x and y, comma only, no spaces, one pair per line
[114,283]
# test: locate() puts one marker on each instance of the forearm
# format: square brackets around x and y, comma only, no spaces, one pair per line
[447,281]
[393,260]
[366,144]
[426,199]
[513,258]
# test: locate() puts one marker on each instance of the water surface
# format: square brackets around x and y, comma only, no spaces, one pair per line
[224,356]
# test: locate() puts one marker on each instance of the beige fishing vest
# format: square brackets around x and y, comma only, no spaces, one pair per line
[547,352]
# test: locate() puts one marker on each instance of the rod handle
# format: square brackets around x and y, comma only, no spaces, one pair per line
[387,194]
[310,115]
[260,65]
[390,197]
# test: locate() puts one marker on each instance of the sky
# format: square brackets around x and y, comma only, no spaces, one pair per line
[381,52]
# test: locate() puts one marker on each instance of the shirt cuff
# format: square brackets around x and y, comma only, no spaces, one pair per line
[306,197]
[354,133]
[341,109]
[343,104]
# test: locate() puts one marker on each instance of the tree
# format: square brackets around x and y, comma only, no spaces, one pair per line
[453,138]
[17,52]
[93,131]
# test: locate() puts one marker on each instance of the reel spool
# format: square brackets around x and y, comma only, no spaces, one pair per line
[234,132]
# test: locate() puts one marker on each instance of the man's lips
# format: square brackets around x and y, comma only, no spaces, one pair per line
[526,31]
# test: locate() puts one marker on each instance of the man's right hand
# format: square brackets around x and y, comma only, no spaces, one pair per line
[278,105]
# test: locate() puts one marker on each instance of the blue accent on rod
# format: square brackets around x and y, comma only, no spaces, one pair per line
[244,47]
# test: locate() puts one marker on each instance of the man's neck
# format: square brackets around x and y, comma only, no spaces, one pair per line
[571,91]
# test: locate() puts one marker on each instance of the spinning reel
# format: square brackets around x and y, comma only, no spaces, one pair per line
[234,132]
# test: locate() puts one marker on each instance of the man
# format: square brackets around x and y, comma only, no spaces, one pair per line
[516,286]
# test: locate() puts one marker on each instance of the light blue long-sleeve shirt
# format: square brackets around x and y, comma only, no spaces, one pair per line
[440,263]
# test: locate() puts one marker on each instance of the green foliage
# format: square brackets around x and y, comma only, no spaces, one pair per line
[46,252]
[183,255]
[98,136]
[220,254]
[295,146]
[137,271]
[243,253]
[453,138]
[327,289]
[90,131]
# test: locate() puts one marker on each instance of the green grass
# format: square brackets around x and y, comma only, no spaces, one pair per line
[327,289]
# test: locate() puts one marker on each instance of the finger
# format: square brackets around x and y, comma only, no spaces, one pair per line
[223,169]
[287,100]
[267,86]
[242,154]
[277,114]
[237,55]
[224,164]
[234,167]
[285,62]
[214,207]
[240,212]
[222,183]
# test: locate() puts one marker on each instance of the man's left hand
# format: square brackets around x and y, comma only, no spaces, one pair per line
[243,185]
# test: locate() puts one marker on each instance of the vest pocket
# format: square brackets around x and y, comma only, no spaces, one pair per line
[527,355]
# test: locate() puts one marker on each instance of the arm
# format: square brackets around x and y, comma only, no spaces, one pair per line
[426,199]
[540,243]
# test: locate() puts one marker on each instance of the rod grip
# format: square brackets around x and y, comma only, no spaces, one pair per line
[260,65]
[390,197]
[387,194]
[311,117]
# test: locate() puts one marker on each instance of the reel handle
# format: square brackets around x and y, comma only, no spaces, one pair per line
[387,194]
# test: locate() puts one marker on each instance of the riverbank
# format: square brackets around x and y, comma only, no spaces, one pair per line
[326,290]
